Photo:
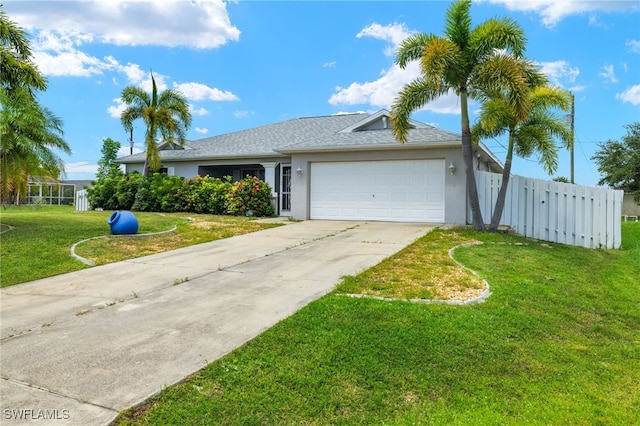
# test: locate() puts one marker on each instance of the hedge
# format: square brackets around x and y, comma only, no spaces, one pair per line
[161,193]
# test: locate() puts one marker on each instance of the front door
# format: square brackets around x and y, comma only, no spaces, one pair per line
[285,188]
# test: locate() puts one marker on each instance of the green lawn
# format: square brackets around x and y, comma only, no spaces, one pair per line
[558,342]
[39,244]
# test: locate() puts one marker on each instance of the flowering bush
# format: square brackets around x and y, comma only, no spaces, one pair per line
[207,194]
[162,193]
[250,195]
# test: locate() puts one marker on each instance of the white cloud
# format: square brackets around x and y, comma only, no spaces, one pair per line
[200,112]
[352,112]
[192,91]
[115,111]
[608,74]
[60,33]
[634,45]
[202,24]
[559,72]
[331,64]
[381,92]
[199,91]
[631,95]
[71,63]
[80,167]
[202,131]
[135,74]
[243,114]
[554,11]
[393,34]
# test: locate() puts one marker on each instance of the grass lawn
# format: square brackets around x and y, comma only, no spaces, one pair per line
[558,342]
[39,243]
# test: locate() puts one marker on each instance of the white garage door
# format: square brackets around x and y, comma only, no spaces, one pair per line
[399,191]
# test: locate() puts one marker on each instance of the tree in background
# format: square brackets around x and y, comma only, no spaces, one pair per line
[465,60]
[529,132]
[561,179]
[166,114]
[107,166]
[619,162]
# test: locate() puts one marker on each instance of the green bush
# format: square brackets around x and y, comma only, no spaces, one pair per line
[104,194]
[162,193]
[250,195]
[207,194]
[126,190]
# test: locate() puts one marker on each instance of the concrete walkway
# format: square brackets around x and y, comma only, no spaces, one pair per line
[81,347]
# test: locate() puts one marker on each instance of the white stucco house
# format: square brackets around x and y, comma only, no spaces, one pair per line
[339,167]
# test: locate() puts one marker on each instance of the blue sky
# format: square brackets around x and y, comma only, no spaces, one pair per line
[243,64]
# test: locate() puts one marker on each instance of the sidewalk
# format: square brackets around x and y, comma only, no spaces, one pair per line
[81,347]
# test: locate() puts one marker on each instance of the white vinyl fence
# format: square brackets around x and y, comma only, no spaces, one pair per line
[81,202]
[553,211]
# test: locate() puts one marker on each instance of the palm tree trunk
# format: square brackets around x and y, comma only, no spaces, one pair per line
[502,193]
[136,199]
[467,156]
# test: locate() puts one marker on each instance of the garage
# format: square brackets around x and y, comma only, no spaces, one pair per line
[398,190]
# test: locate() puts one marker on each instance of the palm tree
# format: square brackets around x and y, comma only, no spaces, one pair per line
[167,114]
[468,61]
[16,67]
[29,134]
[533,132]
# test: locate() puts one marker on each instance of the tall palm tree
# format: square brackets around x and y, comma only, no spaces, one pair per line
[166,114]
[16,66]
[29,136]
[529,133]
[465,60]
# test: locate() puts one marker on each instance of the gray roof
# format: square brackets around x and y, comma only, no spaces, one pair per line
[376,139]
[337,132]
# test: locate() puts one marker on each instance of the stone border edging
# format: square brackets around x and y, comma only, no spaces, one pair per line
[7,230]
[478,299]
[91,263]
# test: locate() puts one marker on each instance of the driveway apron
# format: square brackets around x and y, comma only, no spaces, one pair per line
[78,348]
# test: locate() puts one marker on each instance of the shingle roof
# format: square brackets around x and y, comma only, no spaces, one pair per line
[298,135]
[375,139]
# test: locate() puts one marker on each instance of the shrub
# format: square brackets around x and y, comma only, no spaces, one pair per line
[126,190]
[161,193]
[103,193]
[250,195]
[207,194]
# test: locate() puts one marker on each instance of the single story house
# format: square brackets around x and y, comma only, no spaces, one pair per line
[339,167]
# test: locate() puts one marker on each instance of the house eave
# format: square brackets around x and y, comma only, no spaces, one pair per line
[207,158]
[351,148]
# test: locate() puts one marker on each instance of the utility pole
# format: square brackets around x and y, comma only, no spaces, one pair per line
[573,117]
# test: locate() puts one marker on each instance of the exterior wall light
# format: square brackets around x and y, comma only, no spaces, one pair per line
[452,168]
[299,171]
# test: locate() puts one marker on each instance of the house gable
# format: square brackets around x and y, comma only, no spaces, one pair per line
[380,120]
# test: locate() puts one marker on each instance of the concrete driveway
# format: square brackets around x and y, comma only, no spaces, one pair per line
[80,347]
